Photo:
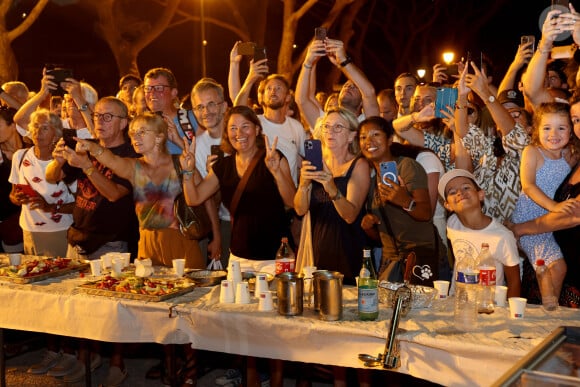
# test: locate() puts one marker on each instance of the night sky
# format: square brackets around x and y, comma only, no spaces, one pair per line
[64,35]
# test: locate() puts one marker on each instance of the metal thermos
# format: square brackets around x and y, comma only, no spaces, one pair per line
[328,294]
[290,289]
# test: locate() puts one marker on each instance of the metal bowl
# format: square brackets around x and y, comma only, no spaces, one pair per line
[421,296]
[250,278]
[207,277]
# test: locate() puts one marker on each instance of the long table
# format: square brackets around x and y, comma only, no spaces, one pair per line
[431,348]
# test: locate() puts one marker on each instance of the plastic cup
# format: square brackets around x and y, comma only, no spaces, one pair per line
[96,267]
[15,259]
[442,288]
[227,292]
[261,284]
[126,258]
[517,307]
[235,272]
[106,260]
[116,267]
[265,303]
[242,293]
[179,266]
[500,295]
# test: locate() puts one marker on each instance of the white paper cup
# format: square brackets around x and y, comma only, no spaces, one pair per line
[126,258]
[179,266]
[106,260]
[117,267]
[500,295]
[517,307]
[96,267]
[242,293]
[442,288]
[227,292]
[235,272]
[15,259]
[265,302]
[261,284]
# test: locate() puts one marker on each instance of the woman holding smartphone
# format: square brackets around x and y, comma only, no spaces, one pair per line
[46,208]
[401,216]
[335,196]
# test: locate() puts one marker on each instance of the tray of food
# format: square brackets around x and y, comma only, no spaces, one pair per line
[138,288]
[34,269]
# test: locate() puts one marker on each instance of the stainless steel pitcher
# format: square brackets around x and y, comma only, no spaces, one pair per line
[290,289]
[328,294]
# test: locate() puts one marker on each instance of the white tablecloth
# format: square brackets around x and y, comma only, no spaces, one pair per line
[430,347]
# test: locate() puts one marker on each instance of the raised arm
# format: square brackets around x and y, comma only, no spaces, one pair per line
[234,83]
[533,79]
[305,94]
[73,87]
[278,166]
[257,72]
[404,126]
[22,116]
[195,194]
[502,118]
[337,55]
[523,56]
[121,166]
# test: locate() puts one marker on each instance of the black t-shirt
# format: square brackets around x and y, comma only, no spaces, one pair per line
[568,238]
[260,220]
[97,220]
[7,208]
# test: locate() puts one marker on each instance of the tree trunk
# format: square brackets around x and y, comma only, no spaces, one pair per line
[8,64]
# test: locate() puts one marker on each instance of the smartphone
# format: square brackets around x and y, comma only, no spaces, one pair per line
[451,70]
[562,5]
[246,48]
[68,136]
[26,189]
[527,39]
[562,52]
[320,33]
[313,153]
[59,75]
[259,53]
[446,96]
[389,171]
[216,150]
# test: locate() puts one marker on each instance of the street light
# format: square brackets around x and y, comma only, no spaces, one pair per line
[447,56]
[421,73]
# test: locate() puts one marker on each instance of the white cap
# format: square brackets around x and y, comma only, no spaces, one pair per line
[447,177]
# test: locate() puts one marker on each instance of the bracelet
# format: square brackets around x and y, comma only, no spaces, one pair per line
[99,152]
[307,66]
[188,173]
[89,171]
[347,61]
[337,196]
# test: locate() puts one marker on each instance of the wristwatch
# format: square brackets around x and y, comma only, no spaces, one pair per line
[411,206]
[491,99]
[348,60]
[84,107]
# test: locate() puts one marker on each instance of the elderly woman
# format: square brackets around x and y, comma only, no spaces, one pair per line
[155,185]
[46,208]
[259,219]
[401,215]
[335,196]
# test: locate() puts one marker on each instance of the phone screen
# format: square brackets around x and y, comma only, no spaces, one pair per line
[320,33]
[388,171]
[446,96]
[313,153]
[260,53]
[59,75]
[67,135]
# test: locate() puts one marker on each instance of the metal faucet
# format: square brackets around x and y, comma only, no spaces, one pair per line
[389,359]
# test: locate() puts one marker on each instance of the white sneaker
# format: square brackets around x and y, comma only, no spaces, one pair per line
[49,360]
[65,366]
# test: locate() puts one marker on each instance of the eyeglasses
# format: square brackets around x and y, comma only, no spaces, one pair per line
[157,88]
[338,128]
[140,133]
[106,117]
[211,107]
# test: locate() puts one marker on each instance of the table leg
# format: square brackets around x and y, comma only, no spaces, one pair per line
[88,373]
[172,365]
[2,360]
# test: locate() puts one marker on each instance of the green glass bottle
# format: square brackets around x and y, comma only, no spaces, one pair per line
[368,289]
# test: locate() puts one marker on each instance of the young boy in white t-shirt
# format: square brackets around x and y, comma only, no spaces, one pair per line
[468,227]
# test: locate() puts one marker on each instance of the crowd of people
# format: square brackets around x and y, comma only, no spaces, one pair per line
[498,166]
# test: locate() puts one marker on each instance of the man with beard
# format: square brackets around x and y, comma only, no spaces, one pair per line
[161,96]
